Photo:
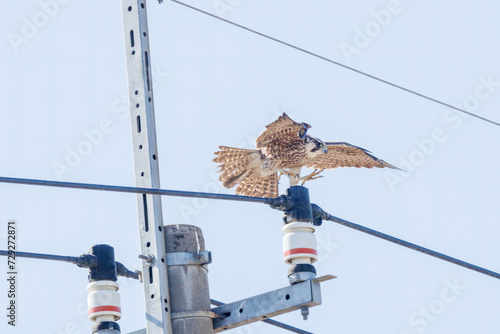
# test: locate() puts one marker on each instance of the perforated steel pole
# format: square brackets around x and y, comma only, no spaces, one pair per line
[140,89]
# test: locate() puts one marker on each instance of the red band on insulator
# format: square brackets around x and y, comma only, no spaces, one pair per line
[300,251]
[108,308]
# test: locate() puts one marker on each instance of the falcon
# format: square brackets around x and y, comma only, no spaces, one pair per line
[285,148]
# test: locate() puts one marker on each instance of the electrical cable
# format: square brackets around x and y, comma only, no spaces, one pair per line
[318,212]
[339,64]
[82,261]
[136,190]
[39,256]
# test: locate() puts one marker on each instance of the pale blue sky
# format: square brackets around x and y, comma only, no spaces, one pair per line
[215,85]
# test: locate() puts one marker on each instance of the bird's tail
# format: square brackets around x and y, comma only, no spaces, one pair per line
[259,186]
[239,166]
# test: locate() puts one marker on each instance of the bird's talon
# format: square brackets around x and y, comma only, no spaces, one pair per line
[313,176]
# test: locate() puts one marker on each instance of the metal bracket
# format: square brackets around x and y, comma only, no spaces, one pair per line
[324,278]
[186,259]
[194,314]
[266,305]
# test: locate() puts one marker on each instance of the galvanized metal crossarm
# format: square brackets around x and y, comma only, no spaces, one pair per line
[267,305]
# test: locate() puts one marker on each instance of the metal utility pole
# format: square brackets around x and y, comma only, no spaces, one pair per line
[140,90]
[188,276]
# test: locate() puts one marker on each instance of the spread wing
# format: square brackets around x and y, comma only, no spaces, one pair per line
[346,155]
[284,129]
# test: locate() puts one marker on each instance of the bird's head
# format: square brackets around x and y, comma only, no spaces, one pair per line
[315,147]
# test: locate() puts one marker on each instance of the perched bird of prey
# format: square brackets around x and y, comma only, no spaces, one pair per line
[286,147]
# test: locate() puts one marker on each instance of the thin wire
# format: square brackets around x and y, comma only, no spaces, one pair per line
[410,245]
[165,192]
[82,261]
[270,321]
[337,63]
[71,259]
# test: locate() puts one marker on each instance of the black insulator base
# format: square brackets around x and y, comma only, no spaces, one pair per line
[301,272]
[300,268]
[106,325]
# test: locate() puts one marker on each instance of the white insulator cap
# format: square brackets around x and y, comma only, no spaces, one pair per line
[104,301]
[299,243]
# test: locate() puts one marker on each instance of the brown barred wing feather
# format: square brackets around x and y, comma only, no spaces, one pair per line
[284,129]
[346,155]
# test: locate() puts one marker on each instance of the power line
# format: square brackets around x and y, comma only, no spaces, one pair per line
[82,261]
[326,216]
[136,190]
[282,203]
[338,63]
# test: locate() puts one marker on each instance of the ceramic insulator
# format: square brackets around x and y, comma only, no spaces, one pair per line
[299,243]
[103,301]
